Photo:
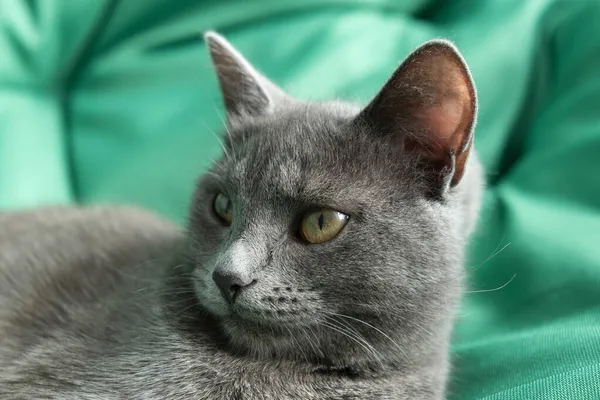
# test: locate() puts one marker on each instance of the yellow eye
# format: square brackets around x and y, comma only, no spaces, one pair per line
[223,208]
[322,225]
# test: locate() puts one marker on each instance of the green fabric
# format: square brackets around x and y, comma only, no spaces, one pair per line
[115,101]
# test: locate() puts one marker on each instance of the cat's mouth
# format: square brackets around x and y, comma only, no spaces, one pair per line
[261,325]
[268,317]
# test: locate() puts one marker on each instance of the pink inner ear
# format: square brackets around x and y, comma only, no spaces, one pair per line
[444,119]
[449,118]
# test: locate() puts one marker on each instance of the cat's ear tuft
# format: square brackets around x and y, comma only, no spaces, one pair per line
[430,104]
[245,91]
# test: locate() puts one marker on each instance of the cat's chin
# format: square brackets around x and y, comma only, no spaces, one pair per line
[264,338]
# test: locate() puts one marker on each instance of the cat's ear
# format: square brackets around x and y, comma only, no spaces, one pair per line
[429,104]
[245,91]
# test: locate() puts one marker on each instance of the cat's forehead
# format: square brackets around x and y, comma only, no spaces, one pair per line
[280,155]
[276,176]
[317,155]
[305,130]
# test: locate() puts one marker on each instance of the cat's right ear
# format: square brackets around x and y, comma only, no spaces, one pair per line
[245,91]
[429,107]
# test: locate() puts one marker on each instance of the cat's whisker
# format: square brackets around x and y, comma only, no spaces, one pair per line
[352,333]
[372,327]
[496,251]
[299,345]
[173,291]
[412,320]
[464,274]
[351,330]
[180,301]
[421,328]
[360,341]
[383,311]
[185,309]
[494,289]
[345,324]
[315,346]
[159,281]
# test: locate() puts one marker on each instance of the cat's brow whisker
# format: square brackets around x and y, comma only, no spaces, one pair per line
[225,126]
[215,163]
[214,175]
[225,152]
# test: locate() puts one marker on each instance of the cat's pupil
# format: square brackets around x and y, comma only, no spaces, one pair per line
[321,220]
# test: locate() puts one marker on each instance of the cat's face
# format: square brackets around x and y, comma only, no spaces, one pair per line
[316,235]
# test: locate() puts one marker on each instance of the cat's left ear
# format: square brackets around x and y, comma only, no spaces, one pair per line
[430,105]
[246,92]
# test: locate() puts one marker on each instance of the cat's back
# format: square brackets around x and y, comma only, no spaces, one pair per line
[62,266]
[36,243]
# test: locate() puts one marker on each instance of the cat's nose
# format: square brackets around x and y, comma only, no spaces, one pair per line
[231,284]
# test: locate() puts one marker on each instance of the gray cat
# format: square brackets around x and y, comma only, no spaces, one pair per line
[322,258]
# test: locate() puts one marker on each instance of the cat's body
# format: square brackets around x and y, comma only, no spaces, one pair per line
[84,316]
[114,303]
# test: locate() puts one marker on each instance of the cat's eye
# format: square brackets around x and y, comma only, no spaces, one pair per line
[223,208]
[322,225]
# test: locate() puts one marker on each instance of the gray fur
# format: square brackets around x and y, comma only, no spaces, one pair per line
[115,303]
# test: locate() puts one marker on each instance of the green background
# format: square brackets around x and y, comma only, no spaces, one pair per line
[115,101]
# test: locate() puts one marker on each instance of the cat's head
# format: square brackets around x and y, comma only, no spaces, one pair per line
[332,232]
